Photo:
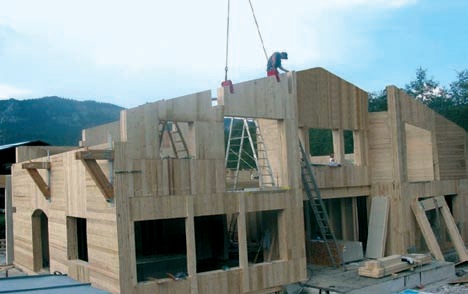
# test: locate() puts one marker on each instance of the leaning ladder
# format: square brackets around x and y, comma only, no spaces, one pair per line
[236,153]
[318,208]
[179,147]
[265,173]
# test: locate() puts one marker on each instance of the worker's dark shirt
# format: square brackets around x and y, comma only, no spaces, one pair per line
[274,62]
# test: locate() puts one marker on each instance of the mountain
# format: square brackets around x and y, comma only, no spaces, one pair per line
[57,121]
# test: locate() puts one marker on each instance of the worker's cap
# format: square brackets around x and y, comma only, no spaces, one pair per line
[284,55]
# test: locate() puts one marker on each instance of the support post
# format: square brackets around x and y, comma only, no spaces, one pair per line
[9,222]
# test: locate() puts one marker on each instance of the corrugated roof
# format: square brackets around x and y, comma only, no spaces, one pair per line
[8,146]
[43,284]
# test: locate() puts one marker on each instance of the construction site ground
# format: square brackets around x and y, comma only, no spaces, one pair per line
[436,277]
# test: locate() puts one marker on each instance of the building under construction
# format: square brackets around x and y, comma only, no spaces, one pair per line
[157,202]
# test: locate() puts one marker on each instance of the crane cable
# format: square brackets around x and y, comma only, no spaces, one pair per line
[227,36]
[258,29]
[227,40]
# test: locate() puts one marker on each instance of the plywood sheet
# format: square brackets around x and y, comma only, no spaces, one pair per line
[378,222]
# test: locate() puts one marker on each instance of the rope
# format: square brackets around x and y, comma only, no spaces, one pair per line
[227,40]
[258,29]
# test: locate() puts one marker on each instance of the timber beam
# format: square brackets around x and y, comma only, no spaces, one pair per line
[88,158]
[31,168]
[95,154]
[420,208]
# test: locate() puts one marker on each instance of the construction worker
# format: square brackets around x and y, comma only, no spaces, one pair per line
[274,62]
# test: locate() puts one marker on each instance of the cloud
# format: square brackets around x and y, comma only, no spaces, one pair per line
[7,91]
[73,48]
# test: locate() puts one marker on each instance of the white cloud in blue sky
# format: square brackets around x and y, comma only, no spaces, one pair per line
[132,52]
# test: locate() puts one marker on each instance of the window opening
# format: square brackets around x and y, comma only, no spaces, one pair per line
[214,239]
[262,236]
[160,248]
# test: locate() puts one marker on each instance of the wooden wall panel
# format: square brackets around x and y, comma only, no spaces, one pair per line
[412,111]
[100,134]
[329,102]
[261,98]
[140,127]
[24,153]
[451,145]
[220,203]
[268,275]
[380,147]
[166,286]
[189,108]
[220,282]
[209,140]
[419,154]
[261,201]
[343,176]
[146,208]
[72,193]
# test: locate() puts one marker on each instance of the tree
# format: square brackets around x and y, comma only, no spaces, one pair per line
[378,101]
[429,92]
[459,88]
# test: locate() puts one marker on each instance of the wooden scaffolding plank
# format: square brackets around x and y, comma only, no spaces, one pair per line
[378,224]
[426,230]
[392,264]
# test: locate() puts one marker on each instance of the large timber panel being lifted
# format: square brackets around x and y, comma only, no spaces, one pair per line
[329,102]
[262,98]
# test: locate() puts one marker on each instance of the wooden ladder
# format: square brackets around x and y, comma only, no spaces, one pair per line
[178,144]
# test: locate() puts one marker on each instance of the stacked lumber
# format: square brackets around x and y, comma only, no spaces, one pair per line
[392,264]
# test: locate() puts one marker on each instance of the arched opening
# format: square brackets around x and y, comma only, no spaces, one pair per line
[40,241]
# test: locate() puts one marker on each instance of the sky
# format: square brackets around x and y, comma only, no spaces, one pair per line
[129,53]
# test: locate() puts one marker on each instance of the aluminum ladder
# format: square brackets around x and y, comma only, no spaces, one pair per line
[239,135]
[319,210]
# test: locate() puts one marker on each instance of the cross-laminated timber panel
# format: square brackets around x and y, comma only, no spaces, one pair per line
[101,134]
[74,194]
[262,98]
[148,187]
[140,126]
[407,145]
[447,139]
[329,102]
[452,149]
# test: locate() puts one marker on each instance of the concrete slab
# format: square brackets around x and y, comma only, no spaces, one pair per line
[349,281]
[438,274]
